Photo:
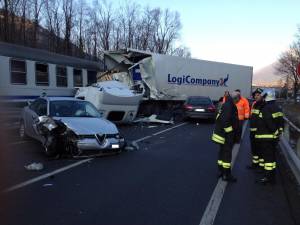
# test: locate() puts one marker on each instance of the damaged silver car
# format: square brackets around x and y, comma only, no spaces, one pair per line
[69,125]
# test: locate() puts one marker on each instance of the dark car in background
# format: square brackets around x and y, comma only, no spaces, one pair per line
[199,107]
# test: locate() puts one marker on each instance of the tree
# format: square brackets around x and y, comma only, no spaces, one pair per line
[287,65]
[68,13]
[37,7]
[167,31]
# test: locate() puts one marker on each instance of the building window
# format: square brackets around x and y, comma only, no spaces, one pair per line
[18,71]
[92,77]
[41,74]
[61,76]
[77,74]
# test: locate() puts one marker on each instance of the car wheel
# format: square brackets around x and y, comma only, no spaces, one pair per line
[22,133]
[49,151]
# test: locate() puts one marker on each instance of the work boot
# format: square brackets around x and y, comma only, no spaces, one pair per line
[268,178]
[227,176]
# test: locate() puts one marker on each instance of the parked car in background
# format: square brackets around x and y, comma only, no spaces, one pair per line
[81,120]
[199,107]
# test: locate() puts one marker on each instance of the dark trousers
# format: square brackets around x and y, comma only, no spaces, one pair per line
[239,131]
[225,155]
[256,153]
[269,154]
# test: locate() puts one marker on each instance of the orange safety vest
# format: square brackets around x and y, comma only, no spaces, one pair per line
[243,108]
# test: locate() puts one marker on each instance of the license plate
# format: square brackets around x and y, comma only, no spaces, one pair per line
[199,110]
[115,146]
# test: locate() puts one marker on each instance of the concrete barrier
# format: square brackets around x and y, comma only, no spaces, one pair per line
[290,145]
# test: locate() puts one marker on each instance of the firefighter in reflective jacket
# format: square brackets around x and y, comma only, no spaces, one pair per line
[224,135]
[269,127]
[255,110]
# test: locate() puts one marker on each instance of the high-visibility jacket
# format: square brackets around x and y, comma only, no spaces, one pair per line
[270,122]
[226,123]
[243,108]
[254,115]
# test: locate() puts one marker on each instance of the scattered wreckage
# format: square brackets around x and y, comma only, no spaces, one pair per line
[167,81]
[69,126]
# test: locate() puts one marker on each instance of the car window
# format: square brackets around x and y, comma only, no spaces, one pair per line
[39,106]
[199,101]
[42,107]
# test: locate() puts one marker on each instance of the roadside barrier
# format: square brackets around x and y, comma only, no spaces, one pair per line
[290,144]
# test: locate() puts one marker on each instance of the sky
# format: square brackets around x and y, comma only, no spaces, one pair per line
[245,32]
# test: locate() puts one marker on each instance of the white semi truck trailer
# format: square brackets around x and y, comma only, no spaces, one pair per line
[168,80]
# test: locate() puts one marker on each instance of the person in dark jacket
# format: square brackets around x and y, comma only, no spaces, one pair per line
[269,127]
[224,134]
[255,110]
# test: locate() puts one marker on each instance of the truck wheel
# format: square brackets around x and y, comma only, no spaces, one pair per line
[22,133]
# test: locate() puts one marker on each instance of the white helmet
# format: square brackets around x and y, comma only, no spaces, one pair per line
[269,94]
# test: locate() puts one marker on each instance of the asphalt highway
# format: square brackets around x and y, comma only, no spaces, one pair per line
[168,180]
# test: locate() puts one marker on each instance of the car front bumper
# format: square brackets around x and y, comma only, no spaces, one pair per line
[108,144]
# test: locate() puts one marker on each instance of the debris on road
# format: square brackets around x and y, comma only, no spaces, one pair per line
[47,185]
[152,126]
[153,119]
[133,146]
[34,166]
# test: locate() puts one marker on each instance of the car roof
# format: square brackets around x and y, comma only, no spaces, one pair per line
[61,99]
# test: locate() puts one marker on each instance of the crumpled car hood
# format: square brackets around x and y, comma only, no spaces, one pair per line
[84,126]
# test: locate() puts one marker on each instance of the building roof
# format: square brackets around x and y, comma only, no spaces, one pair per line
[21,52]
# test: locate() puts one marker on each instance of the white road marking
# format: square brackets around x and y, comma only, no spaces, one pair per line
[36,179]
[42,177]
[214,203]
[171,128]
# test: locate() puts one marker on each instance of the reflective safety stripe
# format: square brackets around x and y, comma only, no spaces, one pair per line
[262,136]
[267,136]
[281,128]
[269,166]
[253,129]
[228,129]
[226,165]
[274,165]
[260,115]
[255,111]
[255,159]
[217,116]
[261,162]
[218,139]
[278,114]
[220,162]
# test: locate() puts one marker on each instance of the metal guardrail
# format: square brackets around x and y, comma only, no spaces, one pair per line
[290,144]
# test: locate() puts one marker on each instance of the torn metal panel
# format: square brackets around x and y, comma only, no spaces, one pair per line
[153,119]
